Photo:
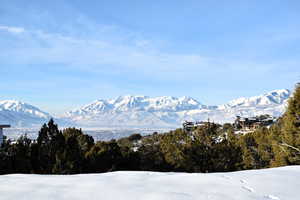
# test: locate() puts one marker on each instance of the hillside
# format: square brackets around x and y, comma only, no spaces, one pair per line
[267,184]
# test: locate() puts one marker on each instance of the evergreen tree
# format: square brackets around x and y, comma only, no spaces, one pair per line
[6,159]
[50,143]
[249,147]
[290,140]
[104,156]
[173,145]
[22,154]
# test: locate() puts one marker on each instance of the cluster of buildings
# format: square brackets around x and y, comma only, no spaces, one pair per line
[253,123]
[189,126]
[240,124]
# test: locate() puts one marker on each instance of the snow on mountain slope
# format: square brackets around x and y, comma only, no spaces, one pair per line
[265,184]
[144,111]
[273,103]
[132,111]
[21,114]
[139,103]
[276,97]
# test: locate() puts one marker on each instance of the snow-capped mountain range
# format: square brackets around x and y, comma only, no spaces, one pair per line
[21,114]
[147,112]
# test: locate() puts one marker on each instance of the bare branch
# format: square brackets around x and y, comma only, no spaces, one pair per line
[287,145]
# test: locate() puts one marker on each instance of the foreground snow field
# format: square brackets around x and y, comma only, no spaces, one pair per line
[275,184]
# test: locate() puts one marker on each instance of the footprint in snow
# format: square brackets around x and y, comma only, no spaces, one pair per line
[243,181]
[227,177]
[272,197]
[249,189]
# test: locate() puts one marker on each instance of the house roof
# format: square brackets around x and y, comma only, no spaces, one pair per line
[5,126]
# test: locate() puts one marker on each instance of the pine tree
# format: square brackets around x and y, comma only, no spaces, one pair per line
[22,155]
[50,142]
[290,140]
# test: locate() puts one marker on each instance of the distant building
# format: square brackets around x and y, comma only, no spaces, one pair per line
[240,124]
[1,132]
[189,126]
[201,123]
[252,123]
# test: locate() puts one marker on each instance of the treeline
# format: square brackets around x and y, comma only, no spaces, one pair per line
[209,148]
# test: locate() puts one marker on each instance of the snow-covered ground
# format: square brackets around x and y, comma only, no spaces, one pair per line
[273,184]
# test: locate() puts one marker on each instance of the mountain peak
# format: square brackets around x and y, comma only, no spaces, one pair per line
[9,103]
[280,93]
[21,114]
[15,105]
[139,103]
[275,97]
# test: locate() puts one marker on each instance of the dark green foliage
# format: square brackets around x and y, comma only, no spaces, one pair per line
[151,156]
[104,156]
[21,151]
[15,158]
[134,137]
[50,145]
[208,148]
[287,134]
[54,152]
[6,158]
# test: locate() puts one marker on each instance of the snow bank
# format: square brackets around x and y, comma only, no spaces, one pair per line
[274,184]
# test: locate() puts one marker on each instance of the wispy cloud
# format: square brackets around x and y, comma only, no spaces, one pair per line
[112,50]
[81,43]
[140,55]
[114,56]
[12,29]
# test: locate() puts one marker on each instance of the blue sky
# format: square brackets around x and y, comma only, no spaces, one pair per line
[61,54]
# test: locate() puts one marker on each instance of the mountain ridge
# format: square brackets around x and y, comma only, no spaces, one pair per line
[171,111]
[144,111]
[21,114]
